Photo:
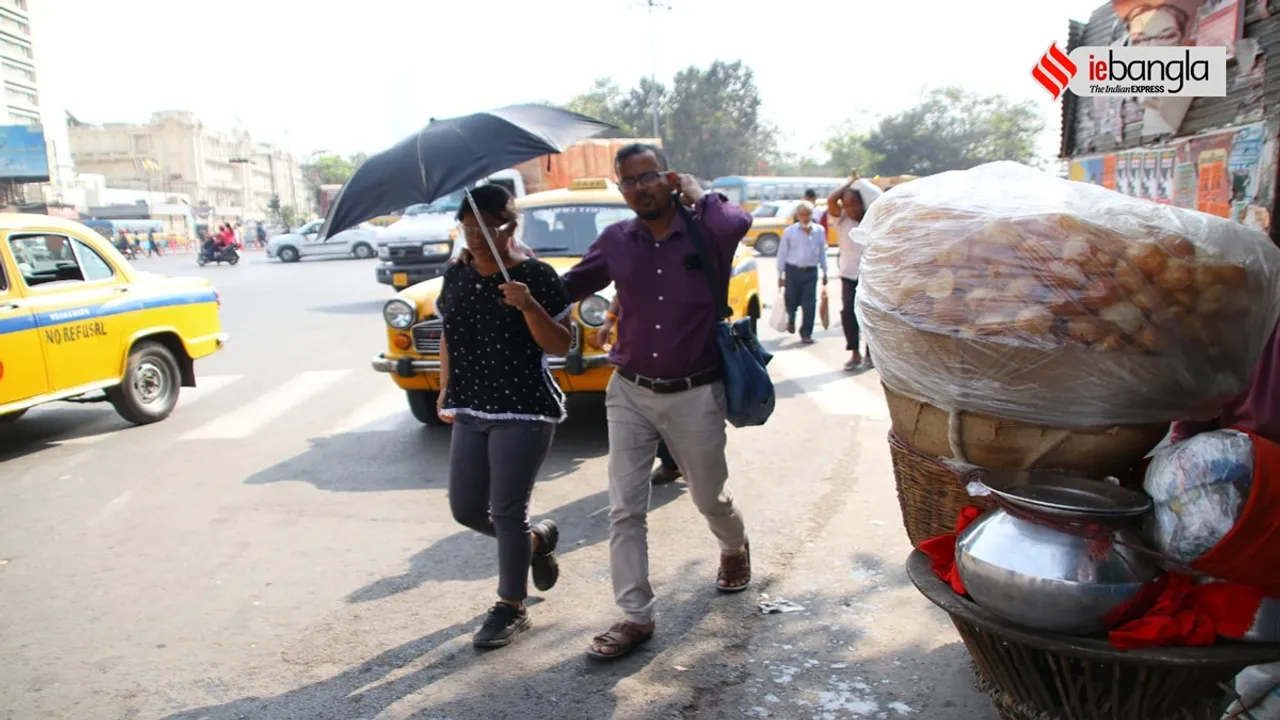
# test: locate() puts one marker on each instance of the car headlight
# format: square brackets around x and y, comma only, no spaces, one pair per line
[398,314]
[438,248]
[384,252]
[593,310]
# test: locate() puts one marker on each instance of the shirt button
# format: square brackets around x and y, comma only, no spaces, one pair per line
[659,271]
[659,297]
[655,354]
[657,327]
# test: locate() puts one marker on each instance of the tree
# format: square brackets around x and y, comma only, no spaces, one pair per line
[332,169]
[952,129]
[709,120]
[712,123]
[290,217]
[631,111]
[848,150]
[273,207]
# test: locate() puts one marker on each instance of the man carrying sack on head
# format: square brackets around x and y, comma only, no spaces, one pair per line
[669,383]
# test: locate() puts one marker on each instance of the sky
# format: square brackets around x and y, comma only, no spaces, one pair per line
[358,76]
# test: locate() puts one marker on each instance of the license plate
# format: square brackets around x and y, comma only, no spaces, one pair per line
[400,279]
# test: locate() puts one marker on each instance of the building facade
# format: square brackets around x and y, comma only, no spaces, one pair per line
[26,98]
[177,153]
[1214,154]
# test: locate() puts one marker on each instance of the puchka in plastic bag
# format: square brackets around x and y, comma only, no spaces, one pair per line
[1006,291]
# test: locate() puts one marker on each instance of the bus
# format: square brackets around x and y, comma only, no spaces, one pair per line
[750,191]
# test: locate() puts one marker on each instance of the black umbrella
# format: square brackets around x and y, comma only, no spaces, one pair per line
[451,154]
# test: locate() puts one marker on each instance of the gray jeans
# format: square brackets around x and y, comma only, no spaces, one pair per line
[492,468]
[693,425]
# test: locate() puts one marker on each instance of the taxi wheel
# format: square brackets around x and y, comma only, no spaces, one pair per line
[10,417]
[288,254]
[767,245]
[362,251]
[150,388]
[422,403]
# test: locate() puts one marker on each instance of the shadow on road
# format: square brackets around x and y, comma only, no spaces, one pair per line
[468,555]
[490,685]
[385,461]
[45,427]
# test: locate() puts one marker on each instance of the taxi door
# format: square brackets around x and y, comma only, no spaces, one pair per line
[82,322]
[22,371]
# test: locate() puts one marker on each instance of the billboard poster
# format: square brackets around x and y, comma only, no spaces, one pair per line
[1245,161]
[1164,176]
[1213,183]
[1075,171]
[1151,175]
[1184,176]
[1219,22]
[23,154]
[1122,173]
[1093,170]
[1109,171]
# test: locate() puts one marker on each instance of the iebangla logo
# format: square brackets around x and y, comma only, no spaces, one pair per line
[1054,71]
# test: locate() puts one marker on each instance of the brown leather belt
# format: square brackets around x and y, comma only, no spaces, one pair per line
[673,385]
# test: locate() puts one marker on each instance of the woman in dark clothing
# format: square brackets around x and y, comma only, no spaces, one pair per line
[502,400]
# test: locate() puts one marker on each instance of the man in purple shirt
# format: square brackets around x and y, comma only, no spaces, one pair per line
[668,384]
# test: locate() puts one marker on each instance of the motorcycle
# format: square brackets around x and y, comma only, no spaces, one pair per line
[210,253]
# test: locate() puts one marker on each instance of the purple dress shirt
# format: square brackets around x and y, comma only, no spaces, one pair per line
[667,328]
[1256,410]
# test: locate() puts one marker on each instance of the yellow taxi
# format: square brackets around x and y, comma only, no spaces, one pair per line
[559,225]
[77,320]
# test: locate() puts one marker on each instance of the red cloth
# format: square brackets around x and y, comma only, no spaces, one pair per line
[1188,614]
[1250,553]
[942,550]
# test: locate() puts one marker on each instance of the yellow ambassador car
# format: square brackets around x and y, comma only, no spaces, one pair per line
[77,320]
[559,226]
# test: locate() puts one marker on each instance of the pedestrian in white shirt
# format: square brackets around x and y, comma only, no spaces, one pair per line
[845,207]
[801,253]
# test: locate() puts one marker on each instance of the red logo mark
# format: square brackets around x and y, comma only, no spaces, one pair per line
[1054,71]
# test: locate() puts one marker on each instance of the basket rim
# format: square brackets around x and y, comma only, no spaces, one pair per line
[1225,653]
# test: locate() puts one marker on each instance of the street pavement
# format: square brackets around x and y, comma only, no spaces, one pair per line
[281,548]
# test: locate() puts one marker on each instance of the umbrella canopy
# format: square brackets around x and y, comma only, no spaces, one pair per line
[451,154]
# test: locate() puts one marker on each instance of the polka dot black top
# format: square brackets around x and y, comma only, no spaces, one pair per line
[497,371]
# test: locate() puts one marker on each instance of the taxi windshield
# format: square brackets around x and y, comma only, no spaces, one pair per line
[567,230]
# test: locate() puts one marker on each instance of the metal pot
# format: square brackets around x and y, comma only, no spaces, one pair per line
[1048,580]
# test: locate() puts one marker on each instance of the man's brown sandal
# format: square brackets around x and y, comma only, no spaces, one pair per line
[619,640]
[735,571]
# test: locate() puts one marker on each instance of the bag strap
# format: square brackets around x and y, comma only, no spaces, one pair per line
[719,295]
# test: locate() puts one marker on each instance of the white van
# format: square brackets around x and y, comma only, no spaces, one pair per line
[418,246]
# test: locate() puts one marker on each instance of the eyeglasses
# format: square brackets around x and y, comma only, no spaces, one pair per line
[646,180]
[477,231]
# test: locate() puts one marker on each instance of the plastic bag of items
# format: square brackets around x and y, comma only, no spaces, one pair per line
[1006,291]
[1199,487]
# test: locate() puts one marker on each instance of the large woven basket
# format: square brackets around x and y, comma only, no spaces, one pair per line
[1033,676]
[930,494]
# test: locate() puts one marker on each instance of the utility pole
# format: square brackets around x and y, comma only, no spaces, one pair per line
[653,59]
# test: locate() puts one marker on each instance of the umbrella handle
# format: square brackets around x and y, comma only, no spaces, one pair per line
[485,229]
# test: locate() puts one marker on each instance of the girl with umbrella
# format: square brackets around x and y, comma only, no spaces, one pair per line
[503,312]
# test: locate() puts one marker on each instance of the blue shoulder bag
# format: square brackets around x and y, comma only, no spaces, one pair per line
[747,386]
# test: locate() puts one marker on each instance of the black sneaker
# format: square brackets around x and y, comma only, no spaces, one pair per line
[546,569]
[663,475]
[502,626]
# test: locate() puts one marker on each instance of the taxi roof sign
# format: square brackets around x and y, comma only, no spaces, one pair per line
[589,184]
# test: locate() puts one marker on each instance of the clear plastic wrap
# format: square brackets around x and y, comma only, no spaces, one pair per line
[1006,291]
[1199,487]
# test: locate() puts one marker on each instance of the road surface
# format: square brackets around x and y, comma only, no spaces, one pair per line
[281,548]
